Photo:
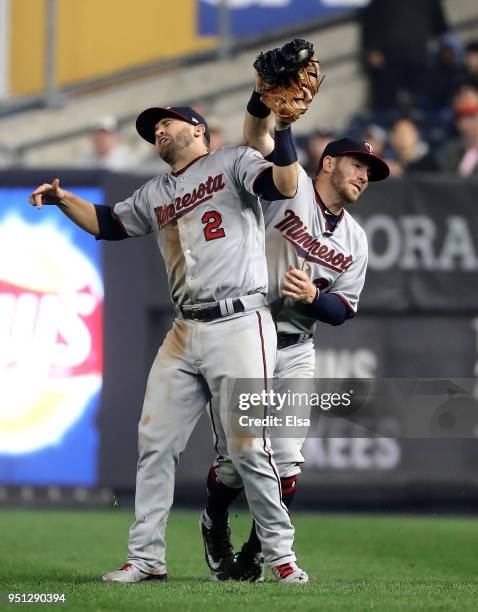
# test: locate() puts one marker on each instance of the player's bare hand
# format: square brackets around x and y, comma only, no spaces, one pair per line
[259,84]
[297,285]
[47,194]
[304,101]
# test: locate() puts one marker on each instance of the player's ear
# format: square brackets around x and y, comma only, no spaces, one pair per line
[328,163]
[199,130]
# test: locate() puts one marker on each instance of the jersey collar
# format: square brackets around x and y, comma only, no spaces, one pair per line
[193,161]
[325,215]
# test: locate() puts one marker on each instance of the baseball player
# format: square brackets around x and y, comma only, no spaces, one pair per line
[208,224]
[317,259]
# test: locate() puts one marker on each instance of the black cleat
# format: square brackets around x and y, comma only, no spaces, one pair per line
[218,548]
[249,564]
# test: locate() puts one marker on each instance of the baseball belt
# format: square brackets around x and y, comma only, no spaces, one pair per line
[224,308]
[285,340]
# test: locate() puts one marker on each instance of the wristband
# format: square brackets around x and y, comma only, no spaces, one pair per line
[285,152]
[256,107]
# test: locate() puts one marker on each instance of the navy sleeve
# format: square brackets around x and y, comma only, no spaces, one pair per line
[328,308]
[283,154]
[110,228]
[264,187]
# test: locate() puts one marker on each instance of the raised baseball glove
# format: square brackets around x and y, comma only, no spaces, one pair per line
[283,74]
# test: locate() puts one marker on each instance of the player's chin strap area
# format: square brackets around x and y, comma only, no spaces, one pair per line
[208,311]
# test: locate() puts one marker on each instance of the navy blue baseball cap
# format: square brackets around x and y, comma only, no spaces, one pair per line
[357,148]
[146,121]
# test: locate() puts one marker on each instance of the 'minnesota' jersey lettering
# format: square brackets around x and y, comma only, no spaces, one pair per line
[208,224]
[298,233]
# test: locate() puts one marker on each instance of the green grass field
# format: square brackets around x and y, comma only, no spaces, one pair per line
[355,563]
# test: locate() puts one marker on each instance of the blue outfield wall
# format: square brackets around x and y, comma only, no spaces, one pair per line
[252,17]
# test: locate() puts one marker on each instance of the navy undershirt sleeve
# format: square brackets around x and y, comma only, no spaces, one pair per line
[283,154]
[328,308]
[110,228]
[264,187]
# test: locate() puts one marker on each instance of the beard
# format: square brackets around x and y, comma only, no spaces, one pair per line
[347,192]
[169,151]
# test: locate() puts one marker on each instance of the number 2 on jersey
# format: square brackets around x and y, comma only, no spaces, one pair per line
[212,220]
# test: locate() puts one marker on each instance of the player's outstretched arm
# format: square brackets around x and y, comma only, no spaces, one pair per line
[279,149]
[285,171]
[80,211]
[256,126]
[280,180]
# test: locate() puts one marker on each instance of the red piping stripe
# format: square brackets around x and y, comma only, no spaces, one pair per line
[264,365]
[323,208]
[213,427]
[178,172]
[118,220]
[341,297]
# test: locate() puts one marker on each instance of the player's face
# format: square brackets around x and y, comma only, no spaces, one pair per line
[349,177]
[172,136]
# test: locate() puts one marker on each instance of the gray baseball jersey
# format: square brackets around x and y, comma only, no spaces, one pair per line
[208,224]
[297,234]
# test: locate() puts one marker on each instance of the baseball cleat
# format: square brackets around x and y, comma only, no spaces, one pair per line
[130,573]
[218,549]
[290,573]
[248,565]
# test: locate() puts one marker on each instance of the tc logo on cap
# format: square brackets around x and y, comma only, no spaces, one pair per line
[368,147]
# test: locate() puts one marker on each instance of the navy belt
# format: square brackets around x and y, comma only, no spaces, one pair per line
[285,340]
[210,312]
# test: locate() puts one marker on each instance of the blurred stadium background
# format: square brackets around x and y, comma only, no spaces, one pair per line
[80,321]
